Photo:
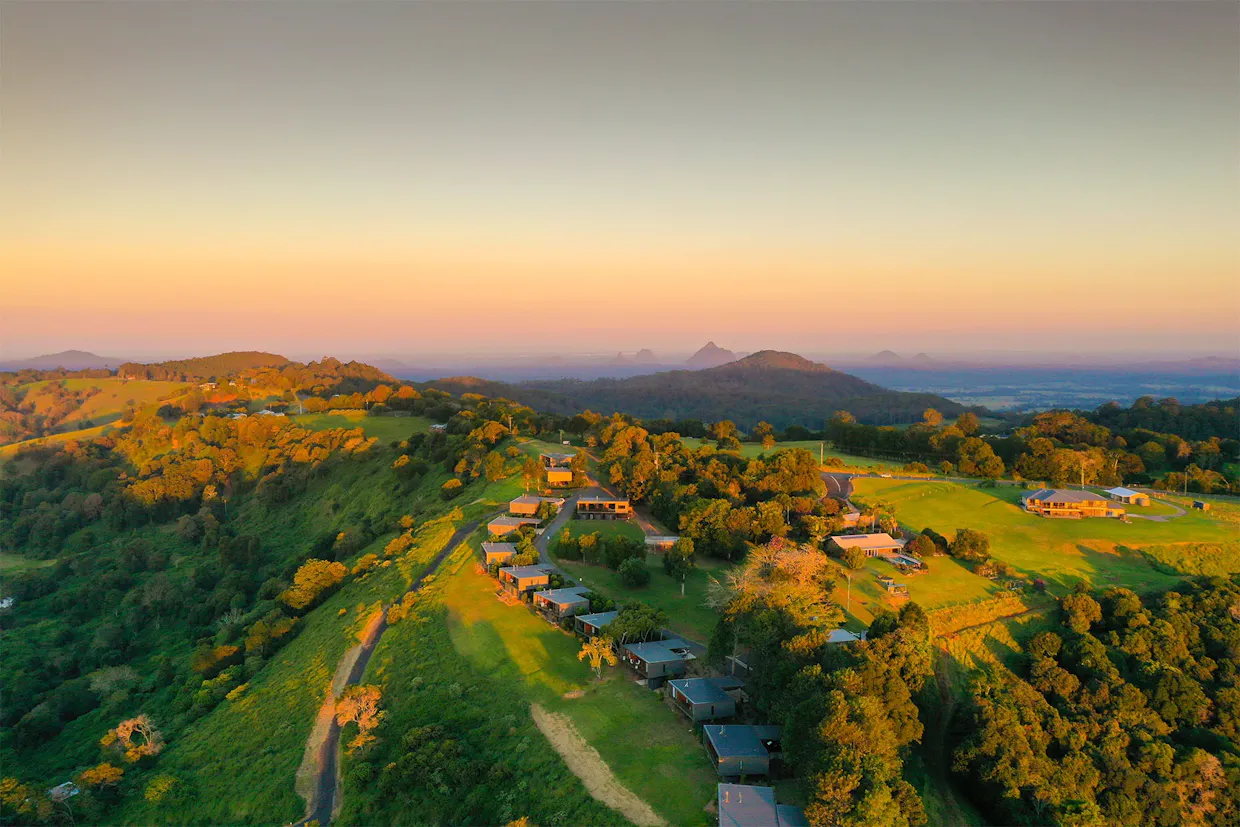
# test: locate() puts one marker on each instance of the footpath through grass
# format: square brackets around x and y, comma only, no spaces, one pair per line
[1143,555]
[473,665]
[239,763]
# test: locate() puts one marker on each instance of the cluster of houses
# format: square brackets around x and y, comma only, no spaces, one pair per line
[739,751]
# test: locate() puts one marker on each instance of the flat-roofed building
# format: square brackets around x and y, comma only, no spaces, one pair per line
[744,805]
[521,579]
[1128,496]
[661,542]
[592,624]
[527,504]
[506,525]
[872,544]
[498,552]
[657,660]
[739,750]
[598,505]
[560,603]
[1069,504]
[704,699]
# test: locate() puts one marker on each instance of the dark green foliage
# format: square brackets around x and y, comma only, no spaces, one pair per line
[1125,716]
[970,546]
[636,622]
[633,573]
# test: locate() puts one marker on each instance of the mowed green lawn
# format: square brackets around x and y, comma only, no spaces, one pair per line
[386,428]
[753,449]
[1105,552]
[502,658]
[688,615]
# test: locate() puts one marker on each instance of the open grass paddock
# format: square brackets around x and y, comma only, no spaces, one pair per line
[386,427]
[1143,555]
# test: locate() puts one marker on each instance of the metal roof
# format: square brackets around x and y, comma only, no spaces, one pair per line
[563,596]
[700,690]
[499,548]
[842,636]
[526,571]
[658,651]
[1063,495]
[741,805]
[1122,492]
[736,741]
[867,541]
[599,619]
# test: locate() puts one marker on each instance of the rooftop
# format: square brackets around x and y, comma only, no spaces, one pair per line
[526,571]
[659,539]
[700,690]
[562,596]
[554,456]
[867,541]
[737,741]
[534,499]
[842,636]
[1122,492]
[741,805]
[660,651]
[515,522]
[499,548]
[599,619]
[1063,495]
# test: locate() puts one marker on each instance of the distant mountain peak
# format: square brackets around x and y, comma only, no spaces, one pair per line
[886,356]
[923,357]
[777,360]
[645,356]
[710,356]
[67,359]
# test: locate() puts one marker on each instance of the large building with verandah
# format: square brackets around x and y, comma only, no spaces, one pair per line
[1069,504]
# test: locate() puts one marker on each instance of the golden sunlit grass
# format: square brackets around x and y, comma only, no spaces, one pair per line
[500,658]
[386,428]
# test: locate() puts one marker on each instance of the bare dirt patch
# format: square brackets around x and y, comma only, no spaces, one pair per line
[589,766]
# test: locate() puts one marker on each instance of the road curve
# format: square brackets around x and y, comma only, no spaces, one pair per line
[328,775]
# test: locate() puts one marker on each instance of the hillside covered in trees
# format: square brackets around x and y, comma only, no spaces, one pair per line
[779,388]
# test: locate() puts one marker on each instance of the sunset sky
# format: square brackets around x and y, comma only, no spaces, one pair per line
[343,178]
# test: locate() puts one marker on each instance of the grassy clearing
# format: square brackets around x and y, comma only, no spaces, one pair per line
[475,665]
[240,760]
[851,461]
[113,397]
[386,428]
[688,615]
[1101,551]
[606,529]
[16,563]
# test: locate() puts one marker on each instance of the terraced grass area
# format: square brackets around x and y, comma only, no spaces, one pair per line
[1142,555]
[386,428]
[474,665]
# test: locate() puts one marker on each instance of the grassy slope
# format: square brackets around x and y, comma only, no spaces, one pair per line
[386,428]
[240,760]
[507,658]
[1102,551]
[114,396]
[15,563]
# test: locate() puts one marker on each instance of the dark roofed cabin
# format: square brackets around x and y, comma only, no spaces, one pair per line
[704,699]
[521,579]
[560,603]
[590,625]
[742,750]
[657,660]
[498,552]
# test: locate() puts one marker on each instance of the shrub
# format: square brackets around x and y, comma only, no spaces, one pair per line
[917,468]
[854,558]
[619,549]
[451,488]
[633,573]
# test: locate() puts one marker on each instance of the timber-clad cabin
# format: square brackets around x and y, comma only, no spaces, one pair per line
[705,699]
[506,525]
[657,660]
[738,750]
[561,603]
[498,552]
[521,579]
[527,504]
[590,625]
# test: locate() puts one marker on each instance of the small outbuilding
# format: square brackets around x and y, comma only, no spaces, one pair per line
[560,603]
[1201,505]
[590,625]
[1128,496]
[660,542]
[739,750]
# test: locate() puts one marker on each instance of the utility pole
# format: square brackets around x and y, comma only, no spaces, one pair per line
[848,600]
[820,447]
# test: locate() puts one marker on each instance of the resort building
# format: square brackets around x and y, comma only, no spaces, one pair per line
[1069,504]
[590,625]
[603,507]
[556,604]
[660,542]
[705,699]
[658,660]
[506,525]
[738,750]
[872,544]
[498,552]
[519,580]
[527,504]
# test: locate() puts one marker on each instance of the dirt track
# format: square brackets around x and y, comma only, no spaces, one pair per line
[589,766]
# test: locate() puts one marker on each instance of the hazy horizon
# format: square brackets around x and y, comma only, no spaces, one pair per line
[412,177]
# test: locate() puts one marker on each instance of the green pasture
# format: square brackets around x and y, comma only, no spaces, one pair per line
[386,427]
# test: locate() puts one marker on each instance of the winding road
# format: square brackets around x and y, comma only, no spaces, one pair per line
[323,804]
